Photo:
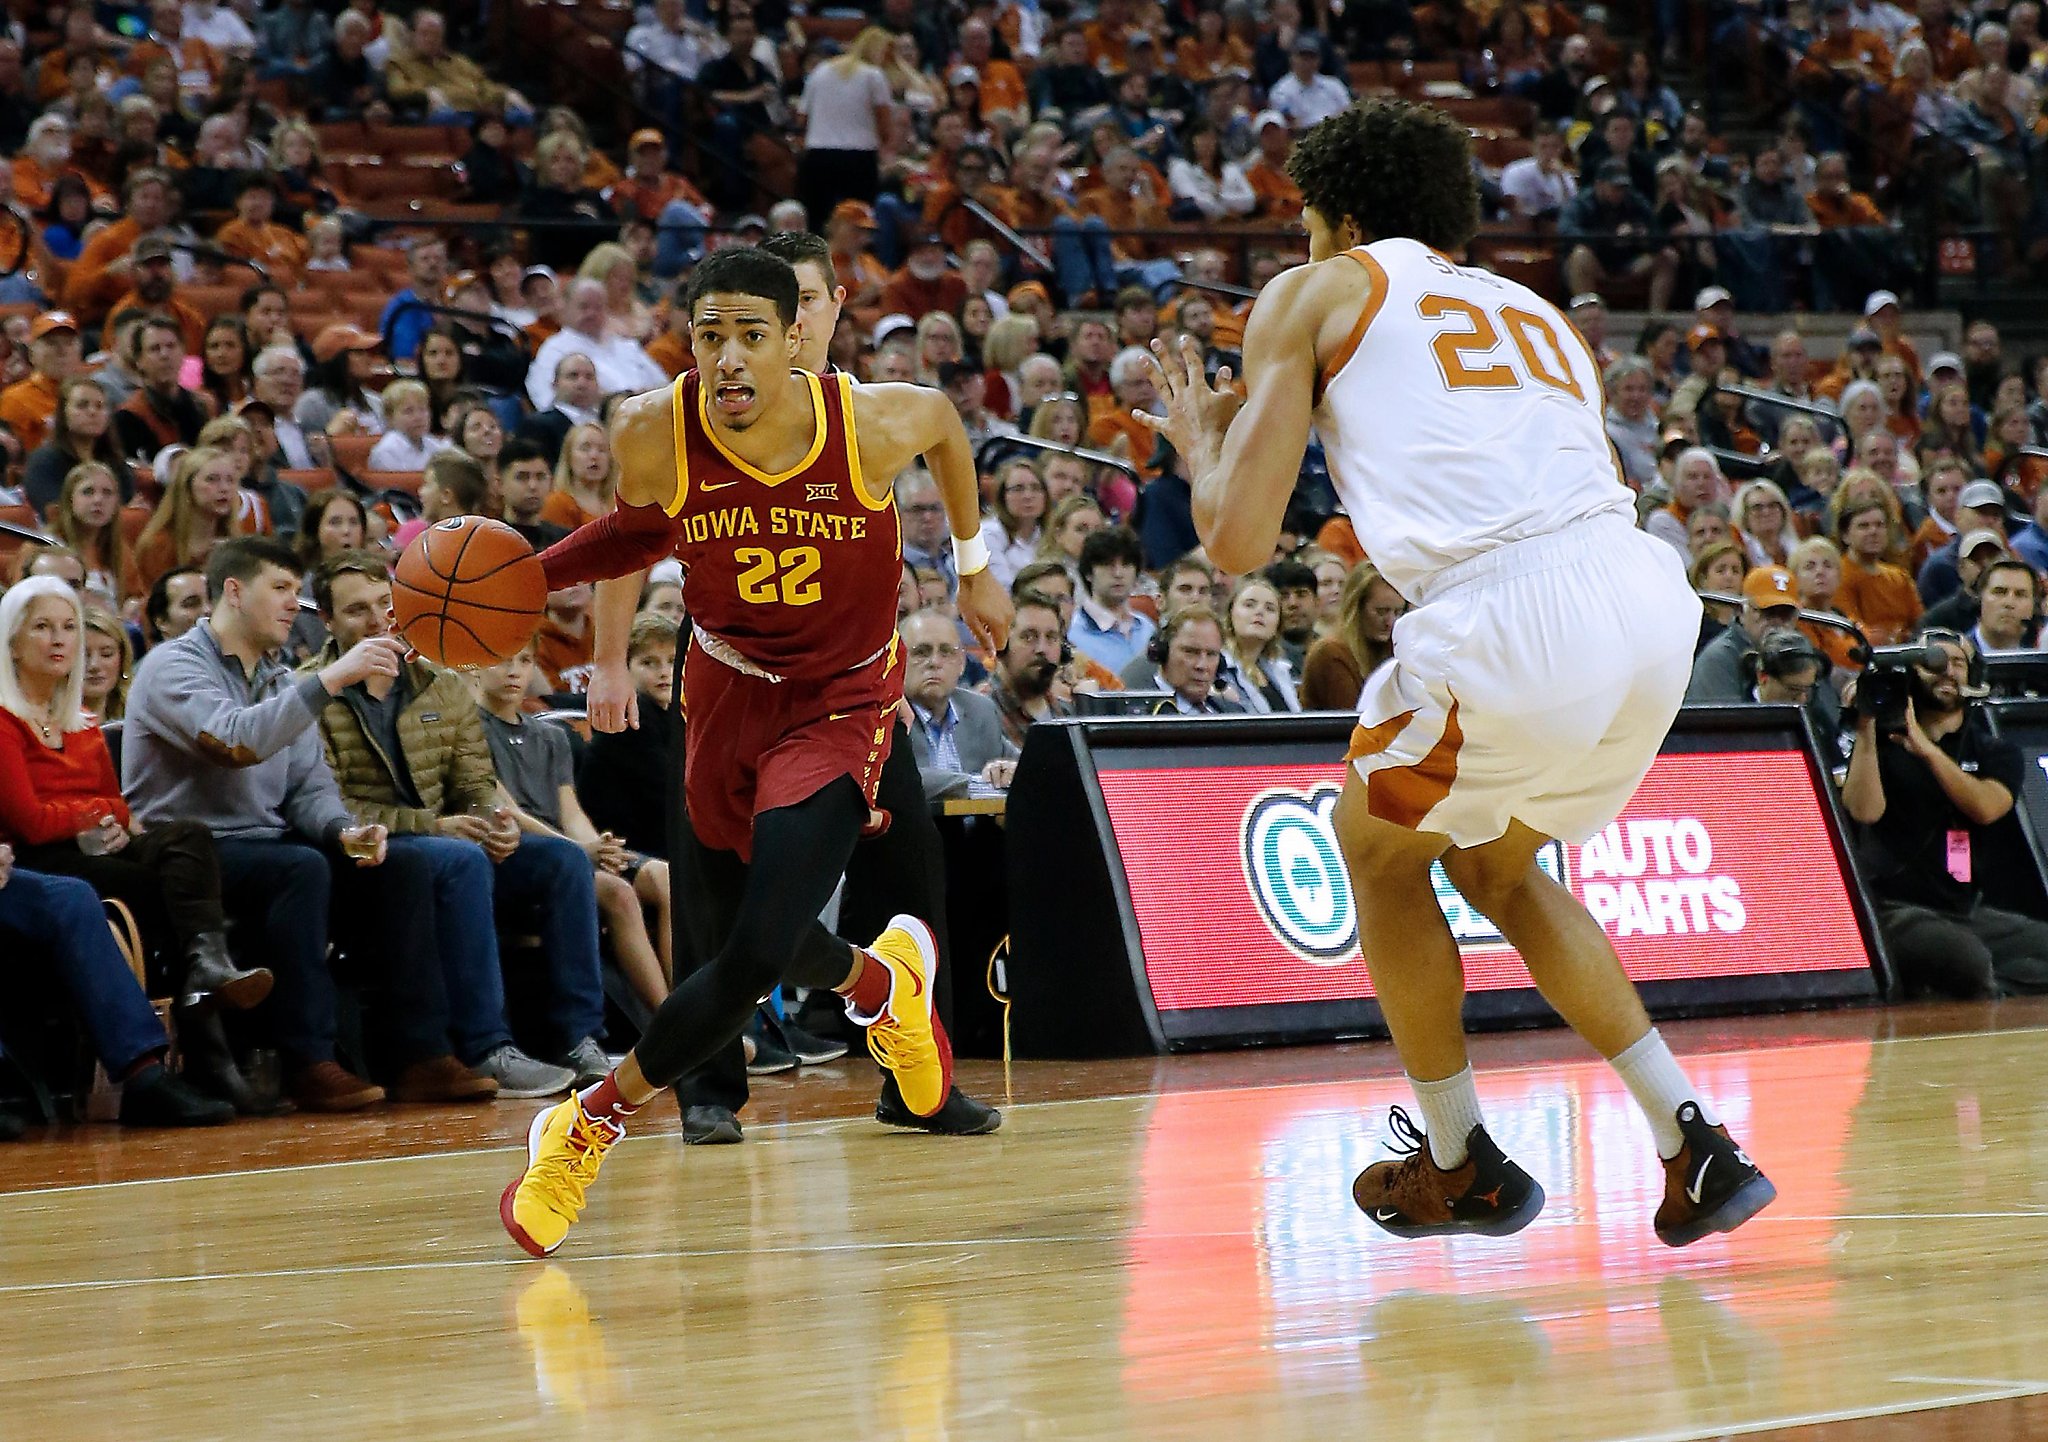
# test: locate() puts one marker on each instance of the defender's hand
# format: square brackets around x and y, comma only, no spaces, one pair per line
[985,607]
[611,701]
[1197,413]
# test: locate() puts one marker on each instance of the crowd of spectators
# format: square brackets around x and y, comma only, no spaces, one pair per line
[231,388]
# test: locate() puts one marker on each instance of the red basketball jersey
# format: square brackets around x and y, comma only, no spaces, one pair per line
[797,572]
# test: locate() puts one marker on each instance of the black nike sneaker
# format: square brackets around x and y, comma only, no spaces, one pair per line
[961,1116]
[1710,1186]
[1411,1196]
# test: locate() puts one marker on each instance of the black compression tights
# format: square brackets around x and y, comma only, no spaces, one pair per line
[800,852]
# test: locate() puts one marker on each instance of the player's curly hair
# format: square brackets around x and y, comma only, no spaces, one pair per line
[1394,167]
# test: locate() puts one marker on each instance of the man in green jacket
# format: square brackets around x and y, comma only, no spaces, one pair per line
[409,751]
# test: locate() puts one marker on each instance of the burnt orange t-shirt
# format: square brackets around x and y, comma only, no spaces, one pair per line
[1881,598]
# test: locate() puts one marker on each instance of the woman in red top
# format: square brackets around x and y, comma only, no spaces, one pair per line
[60,802]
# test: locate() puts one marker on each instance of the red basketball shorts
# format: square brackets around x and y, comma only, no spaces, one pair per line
[755,744]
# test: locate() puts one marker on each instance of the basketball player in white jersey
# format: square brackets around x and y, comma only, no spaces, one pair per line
[1533,682]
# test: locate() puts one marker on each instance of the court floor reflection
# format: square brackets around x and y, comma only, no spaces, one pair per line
[1182,1265]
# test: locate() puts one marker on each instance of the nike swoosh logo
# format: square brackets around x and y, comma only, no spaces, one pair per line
[1699,1181]
[708,486]
[1384,1214]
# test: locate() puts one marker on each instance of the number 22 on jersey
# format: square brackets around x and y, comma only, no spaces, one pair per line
[787,577]
[1465,347]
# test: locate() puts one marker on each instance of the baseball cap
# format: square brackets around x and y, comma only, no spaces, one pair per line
[1944,360]
[1586,297]
[536,272]
[1987,537]
[1700,335]
[52,320]
[950,371]
[262,408]
[1307,44]
[1980,494]
[1594,85]
[1877,301]
[1268,117]
[335,339]
[1769,586]
[1863,335]
[152,247]
[1025,290]
[751,222]
[1712,295]
[460,281]
[1611,172]
[649,136]
[858,211]
[889,325]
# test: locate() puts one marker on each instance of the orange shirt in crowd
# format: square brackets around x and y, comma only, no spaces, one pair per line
[1926,541]
[1340,538]
[1140,441]
[1199,64]
[944,213]
[90,290]
[1863,47]
[907,295]
[1002,88]
[647,196]
[32,181]
[198,66]
[564,510]
[191,324]
[1881,599]
[29,407]
[52,795]
[1127,212]
[1108,45]
[280,249]
[1837,646]
[671,352]
[557,653]
[1836,212]
[1278,194]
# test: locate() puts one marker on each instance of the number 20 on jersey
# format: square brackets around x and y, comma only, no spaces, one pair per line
[1465,347]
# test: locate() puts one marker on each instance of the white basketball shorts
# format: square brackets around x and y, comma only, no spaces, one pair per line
[1532,683]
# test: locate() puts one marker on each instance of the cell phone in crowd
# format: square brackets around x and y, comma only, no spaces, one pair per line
[94,842]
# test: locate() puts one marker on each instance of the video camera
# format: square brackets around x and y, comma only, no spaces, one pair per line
[1886,684]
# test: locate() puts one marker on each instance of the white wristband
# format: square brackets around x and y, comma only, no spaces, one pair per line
[970,554]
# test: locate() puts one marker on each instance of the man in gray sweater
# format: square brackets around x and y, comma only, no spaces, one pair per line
[219,731]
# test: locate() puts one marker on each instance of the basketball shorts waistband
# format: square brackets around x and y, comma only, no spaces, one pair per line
[723,651]
[1593,537]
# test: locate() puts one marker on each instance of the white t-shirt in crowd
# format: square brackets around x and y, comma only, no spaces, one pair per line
[839,108]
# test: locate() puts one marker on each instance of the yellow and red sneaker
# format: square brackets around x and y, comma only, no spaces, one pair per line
[564,1148]
[906,1035]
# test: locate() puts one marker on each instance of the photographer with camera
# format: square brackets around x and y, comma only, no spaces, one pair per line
[1927,781]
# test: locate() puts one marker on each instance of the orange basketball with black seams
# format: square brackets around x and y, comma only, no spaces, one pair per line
[468,592]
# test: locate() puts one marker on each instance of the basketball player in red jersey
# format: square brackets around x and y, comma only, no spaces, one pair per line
[772,486]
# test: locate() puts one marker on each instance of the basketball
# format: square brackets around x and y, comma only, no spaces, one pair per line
[468,592]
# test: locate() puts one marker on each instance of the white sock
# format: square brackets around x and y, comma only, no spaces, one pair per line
[1653,1077]
[1450,1109]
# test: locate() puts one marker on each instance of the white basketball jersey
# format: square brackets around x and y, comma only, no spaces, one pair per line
[1465,414]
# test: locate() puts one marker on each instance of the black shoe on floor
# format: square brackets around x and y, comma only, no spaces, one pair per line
[710,1126]
[961,1116]
[1710,1186]
[770,1055]
[155,1098]
[810,1050]
[208,1066]
[1411,1196]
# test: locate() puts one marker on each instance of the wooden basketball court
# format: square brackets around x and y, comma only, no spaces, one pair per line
[1147,1250]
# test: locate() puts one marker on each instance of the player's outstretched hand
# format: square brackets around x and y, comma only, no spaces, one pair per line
[985,607]
[1197,413]
[612,703]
